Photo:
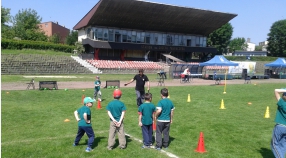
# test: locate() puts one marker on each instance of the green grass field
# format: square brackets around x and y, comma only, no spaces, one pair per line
[33,122]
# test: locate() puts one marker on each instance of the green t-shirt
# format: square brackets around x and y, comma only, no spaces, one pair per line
[281,112]
[97,82]
[147,109]
[116,107]
[81,111]
[167,106]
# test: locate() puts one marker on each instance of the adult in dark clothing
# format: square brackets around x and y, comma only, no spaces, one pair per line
[141,79]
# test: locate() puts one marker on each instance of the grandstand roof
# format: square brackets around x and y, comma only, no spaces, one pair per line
[150,16]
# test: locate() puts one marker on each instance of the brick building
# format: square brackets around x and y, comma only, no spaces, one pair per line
[50,28]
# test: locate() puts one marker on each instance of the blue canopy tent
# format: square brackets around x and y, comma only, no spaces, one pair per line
[218,60]
[277,68]
[280,62]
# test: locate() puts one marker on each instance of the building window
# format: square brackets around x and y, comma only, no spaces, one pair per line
[117,35]
[111,35]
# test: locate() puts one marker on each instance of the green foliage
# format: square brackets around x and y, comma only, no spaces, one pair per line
[5,16]
[237,44]
[55,38]
[72,38]
[258,48]
[79,47]
[25,44]
[253,58]
[277,39]
[228,133]
[25,25]
[220,38]
[6,31]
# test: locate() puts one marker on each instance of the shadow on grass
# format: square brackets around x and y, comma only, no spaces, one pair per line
[170,140]
[128,139]
[266,153]
[96,141]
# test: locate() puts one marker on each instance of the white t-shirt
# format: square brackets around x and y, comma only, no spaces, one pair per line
[186,72]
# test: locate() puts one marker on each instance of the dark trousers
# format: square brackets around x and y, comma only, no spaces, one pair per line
[162,128]
[140,97]
[89,132]
[147,132]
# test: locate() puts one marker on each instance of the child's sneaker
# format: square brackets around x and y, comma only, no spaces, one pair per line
[74,144]
[109,148]
[88,149]
[158,148]
[144,146]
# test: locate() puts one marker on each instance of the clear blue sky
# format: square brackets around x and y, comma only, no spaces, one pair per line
[255,17]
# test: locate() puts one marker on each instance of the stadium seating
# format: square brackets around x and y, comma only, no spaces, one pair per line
[125,66]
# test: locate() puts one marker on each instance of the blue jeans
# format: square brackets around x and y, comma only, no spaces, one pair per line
[140,97]
[147,132]
[278,142]
[89,132]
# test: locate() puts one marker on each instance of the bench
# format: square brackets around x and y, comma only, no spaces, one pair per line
[48,85]
[112,83]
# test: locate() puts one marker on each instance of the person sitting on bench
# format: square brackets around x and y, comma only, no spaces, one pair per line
[187,74]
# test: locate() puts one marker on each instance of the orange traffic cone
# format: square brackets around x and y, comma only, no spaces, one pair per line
[98,104]
[82,98]
[201,145]
[154,126]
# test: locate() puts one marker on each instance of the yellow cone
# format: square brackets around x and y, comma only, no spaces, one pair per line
[66,120]
[169,96]
[222,105]
[189,98]
[267,115]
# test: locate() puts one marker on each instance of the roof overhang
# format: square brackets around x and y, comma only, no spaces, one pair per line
[149,16]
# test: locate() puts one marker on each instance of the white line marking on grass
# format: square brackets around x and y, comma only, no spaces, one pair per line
[46,138]
[163,151]
[49,76]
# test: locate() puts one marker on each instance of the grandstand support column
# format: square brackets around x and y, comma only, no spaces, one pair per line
[96,51]
[122,54]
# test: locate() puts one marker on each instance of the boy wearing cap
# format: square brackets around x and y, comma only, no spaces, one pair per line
[278,142]
[116,111]
[83,117]
[146,116]
[164,115]
[97,91]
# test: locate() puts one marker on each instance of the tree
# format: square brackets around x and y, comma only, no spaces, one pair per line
[277,39]
[72,38]
[237,44]
[79,47]
[26,25]
[6,31]
[55,38]
[5,16]
[258,48]
[220,38]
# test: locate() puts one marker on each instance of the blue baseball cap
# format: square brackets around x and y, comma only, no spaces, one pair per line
[88,100]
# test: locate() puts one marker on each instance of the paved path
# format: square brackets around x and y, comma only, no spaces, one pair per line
[168,83]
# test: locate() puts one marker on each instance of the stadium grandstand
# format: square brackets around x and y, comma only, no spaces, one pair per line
[134,34]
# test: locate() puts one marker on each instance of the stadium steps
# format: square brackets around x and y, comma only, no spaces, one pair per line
[40,64]
[87,65]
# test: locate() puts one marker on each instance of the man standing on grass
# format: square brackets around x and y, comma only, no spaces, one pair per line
[141,79]
[278,142]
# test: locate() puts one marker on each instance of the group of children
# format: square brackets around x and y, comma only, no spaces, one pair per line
[148,114]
